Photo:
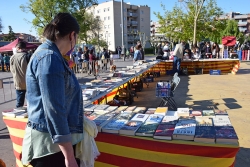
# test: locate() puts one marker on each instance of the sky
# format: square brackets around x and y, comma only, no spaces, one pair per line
[11,14]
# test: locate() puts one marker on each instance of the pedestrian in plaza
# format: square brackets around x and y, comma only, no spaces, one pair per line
[208,51]
[18,67]
[54,98]
[137,54]
[85,55]
[6,60]
[2,62]
[178,56]
[159,51]
[216,50]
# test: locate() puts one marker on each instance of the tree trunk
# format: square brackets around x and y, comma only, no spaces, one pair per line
[195,27]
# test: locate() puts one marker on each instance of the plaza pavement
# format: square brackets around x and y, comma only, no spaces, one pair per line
[230,92]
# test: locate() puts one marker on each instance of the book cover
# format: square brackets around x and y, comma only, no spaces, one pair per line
[140,110]
[23,114]
[171,113]
[130,128]
[147,129]
[170,120]
[101,107]
[88,113]
[208,113]
[220,113]
[183,112]
[130,108]
[185,130]
[195,113]
[154,118]
[117,123]
[203,121]
[94,115]
[226,135]
[122,108]
[23,108]
[90,107]
[102,120]
[150,111]
[111,108]
[222,121]
[205,134]
[164,131]
[13,113]
[161,110]
[140,117]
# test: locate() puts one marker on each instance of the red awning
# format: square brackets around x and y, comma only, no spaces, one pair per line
[9,47]
[229,40]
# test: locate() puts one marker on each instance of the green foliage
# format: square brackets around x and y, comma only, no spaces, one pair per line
[149,50]
[11,36]
[180,23]
[231,29]
[1,25]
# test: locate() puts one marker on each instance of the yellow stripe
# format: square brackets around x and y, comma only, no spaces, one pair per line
[17,148]
[164,158]
[16,119]
[16,132]
[100,164]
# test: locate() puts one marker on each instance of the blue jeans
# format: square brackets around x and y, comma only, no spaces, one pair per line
[2,66]
[20,97]
[176,64]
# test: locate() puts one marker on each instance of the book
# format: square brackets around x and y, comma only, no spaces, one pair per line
[102,120]
[205,134]
[222,121]
[140,110]
[140,117]
[111,108]
[208,113]
[164,131]
[172,113]
[23,108]
[226,135]
[90,107]
[94,115]
[182,112]
[220,113]
[172,120]
[101,107]
[88,113]
[130,127]
[117,123]
[184,129]
[195,113]
[161,110]
[120,109]
[150,111]
[203,121]
[130,109]
[148,128]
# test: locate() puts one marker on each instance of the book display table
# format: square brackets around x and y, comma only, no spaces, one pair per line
[225,65]
[129,151]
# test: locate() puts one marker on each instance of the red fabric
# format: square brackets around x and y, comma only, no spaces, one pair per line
[229,40]
[13,44]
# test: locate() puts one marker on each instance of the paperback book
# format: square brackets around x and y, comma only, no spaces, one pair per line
[130,127]
[161,110]
[140,117]
[90,107]
[205,131]
[150,111]
[172,120]
[148,128]
[111,108]
[185,129]
[195,113]
[208,113]
[117,123]
[101,108]
[222,121]
[102,120]
[182,112]
[13,113]
[130,109]
[172,113]
[140,110]
[220,113]
[226,135]
[164,131]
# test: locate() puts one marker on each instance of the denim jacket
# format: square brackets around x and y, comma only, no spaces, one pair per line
[54,95]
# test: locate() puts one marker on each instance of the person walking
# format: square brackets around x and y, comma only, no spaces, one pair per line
[2,62]
[178,56]
[18,67]
[6,60]
[54,97]
[137,54]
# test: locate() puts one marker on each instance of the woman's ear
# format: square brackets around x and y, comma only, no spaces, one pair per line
[72,36]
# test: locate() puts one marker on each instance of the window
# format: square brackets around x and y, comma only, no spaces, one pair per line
[141,11]
[104,10]
[104,18]
[244,20]
[98,11]
[108,9]
[124,18]
[108,17]
[141,19]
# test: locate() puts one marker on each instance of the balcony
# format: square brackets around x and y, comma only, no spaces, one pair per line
[242,23]
[134,23]
[130,14]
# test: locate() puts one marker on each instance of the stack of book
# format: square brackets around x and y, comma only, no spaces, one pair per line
[205,131]
[20,112]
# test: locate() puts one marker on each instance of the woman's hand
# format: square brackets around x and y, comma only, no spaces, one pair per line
[71,162]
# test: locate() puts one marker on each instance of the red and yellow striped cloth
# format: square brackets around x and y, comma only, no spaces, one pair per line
[133,151]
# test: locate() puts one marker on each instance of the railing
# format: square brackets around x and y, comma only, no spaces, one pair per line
[6,84]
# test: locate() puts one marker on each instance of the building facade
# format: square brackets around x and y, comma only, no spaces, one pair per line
[136,23]
[242,19]
[25,37]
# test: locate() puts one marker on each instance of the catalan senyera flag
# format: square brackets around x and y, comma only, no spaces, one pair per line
[134,151]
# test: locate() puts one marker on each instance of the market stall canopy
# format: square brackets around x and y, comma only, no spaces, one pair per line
[9,47]
[229,40]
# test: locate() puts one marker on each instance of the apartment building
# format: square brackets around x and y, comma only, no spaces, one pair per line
[136,21]
[242,19]
[25,37]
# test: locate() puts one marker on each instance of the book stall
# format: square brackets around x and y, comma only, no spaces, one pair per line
[130,135]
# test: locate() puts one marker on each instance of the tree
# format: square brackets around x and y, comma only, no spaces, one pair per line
[198,21]
[231,29]
[11,36]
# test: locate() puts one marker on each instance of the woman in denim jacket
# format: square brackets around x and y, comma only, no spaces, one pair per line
[54,98]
